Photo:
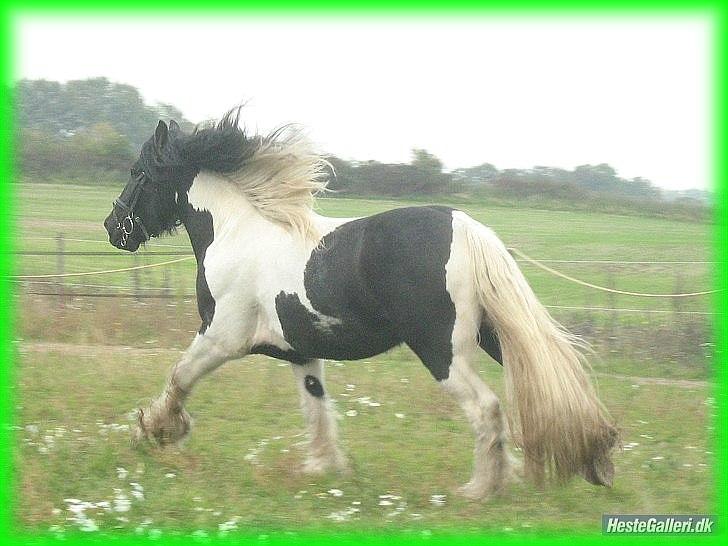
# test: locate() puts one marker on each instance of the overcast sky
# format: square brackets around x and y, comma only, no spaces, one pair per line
[634,93]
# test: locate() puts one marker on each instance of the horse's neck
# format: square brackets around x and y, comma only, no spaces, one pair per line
[222,213]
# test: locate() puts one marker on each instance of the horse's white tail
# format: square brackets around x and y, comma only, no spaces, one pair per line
[555,414]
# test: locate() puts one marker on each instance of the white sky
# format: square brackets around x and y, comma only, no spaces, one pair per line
[515,92]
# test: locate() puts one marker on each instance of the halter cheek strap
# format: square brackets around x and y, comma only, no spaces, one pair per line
[129,222]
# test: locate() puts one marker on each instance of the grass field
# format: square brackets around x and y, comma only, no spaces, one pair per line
[83,367]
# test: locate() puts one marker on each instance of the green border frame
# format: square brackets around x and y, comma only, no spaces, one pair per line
[714,9]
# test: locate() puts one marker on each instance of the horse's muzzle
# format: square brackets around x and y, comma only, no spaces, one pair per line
[117,237]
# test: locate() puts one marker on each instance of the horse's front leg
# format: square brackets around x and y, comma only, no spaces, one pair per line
[323,449]
[165,421]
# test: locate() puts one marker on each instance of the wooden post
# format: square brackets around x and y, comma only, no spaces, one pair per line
[589,314]
[680,334]
[612,304]
[60,268]
[166,293]
[166,290]
[135,279]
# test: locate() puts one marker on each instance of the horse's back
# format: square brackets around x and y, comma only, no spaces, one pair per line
[380,266]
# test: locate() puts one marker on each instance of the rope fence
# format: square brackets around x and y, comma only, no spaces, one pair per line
[90,253]
[185,296]
[98,241]
[541,265]
[672,327]
[188,253]
[627,310]
[83,289]
[101,272]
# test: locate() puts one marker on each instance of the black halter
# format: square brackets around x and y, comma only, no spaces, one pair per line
[131,220]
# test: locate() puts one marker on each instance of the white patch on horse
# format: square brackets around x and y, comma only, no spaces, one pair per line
[323,449]
[480,404]
[234,260]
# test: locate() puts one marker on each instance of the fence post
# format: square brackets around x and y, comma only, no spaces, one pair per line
[166,292]
[135,278]
[612,304]
[680,335]
[165,282]
[589,322]
[60,268]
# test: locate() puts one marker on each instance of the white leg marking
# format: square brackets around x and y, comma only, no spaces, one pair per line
[323,449]
[482,408]
[480,404]
[166,421]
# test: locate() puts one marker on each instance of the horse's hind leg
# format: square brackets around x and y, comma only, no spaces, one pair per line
[323,449]
[483,410]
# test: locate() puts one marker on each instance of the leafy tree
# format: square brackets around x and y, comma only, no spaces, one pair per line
[64,109]
[102,146]
[475,176]
[425,162]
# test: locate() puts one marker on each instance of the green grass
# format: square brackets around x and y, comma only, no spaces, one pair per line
[243,457]
[83,365]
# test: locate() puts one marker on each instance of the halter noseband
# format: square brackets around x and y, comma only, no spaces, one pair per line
[130,221]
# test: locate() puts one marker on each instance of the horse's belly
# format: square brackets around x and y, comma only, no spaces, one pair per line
[318,336]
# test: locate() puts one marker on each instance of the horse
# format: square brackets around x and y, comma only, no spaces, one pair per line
[276,278]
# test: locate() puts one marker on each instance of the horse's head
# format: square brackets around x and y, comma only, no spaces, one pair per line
[147,206]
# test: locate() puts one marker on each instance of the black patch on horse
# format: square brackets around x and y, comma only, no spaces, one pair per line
[201,232]
[351,340]
[313,386]
[488,340]
[382,281]
[281,354]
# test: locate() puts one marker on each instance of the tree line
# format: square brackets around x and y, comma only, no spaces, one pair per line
[424,175]
[82,129]
[92,130]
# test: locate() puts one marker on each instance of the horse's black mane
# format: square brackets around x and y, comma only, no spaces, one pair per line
[292,173]
[222,147]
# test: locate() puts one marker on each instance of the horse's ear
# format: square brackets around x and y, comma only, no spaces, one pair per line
[174,128]
[161,136]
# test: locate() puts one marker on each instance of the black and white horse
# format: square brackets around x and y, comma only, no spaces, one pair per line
[275,278]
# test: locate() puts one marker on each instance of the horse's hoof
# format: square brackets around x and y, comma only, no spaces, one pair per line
[478,491]
[600,472]
[161,428]
[317,466]
[314,467]
[473,491]
[516,471]
[138,431]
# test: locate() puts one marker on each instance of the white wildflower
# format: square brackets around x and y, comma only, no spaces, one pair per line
[437,500]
